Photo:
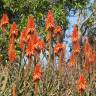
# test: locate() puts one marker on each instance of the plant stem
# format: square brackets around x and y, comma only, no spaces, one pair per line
[50,47]
[36,89]
[60,62]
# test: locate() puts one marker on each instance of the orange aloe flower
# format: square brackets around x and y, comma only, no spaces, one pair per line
[72,60]
[37,73]
[50,24]
[4,20]
[11,52]
[81,83]
[76,48]
[58,48]
[13,30]
[40,45]
[87,49]
[30,47]
[93,57]
[12,40]
[74,34]
[31,25]
[86,66]
[35,38]
[58,30]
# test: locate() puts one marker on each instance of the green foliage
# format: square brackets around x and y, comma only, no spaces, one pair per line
[39,8]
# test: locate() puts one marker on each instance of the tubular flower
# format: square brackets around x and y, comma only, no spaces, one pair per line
[12,40]
[72,60]
[93,57]
[4,20]
[58,48]
[25,37]
[30,47]
[76,48]
[31,25]
[87,50]
[11,53]
[58,30]
[40,45]
[74,34]
[50,24]
[81,83]
[86,66]
[13,30]
[35,38]
[37,73]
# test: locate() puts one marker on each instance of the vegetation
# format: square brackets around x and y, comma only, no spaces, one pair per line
[32,51]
